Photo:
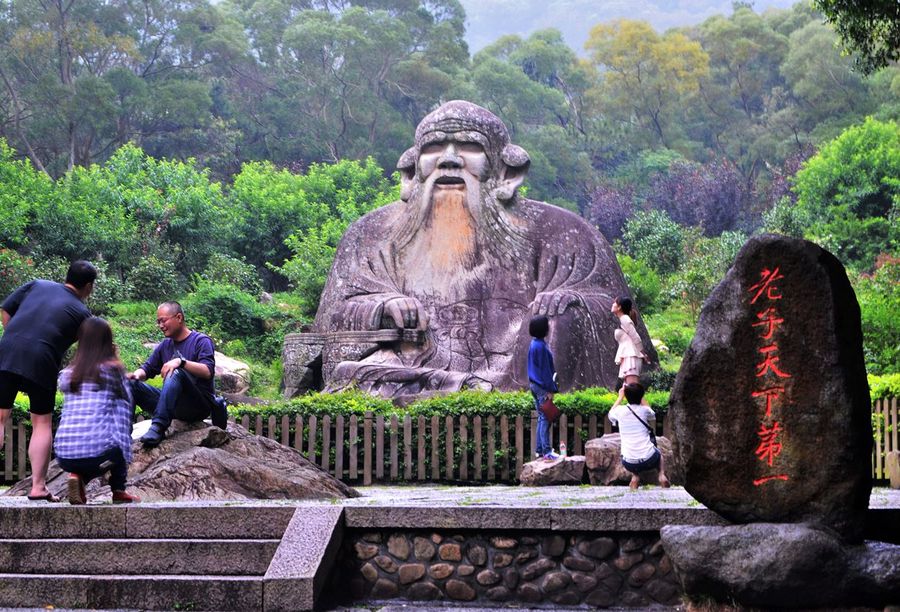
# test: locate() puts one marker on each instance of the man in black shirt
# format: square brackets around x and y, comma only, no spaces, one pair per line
[40,321]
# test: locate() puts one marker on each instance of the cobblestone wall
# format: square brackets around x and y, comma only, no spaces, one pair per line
[603,569]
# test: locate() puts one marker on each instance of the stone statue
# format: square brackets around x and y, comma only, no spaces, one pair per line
[434,292]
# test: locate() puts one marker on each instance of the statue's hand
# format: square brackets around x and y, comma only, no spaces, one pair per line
[406,313]
[552,303]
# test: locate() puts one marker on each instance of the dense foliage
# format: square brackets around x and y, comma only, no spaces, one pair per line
[213,150]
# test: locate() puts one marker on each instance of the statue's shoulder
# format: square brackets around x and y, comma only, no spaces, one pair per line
[556,219]
[379,217]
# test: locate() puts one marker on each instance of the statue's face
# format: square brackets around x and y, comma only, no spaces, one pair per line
[453,161]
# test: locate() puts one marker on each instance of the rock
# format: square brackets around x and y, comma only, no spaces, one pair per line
[554,545]
[487,577]
[556,581]
[439,571]
[540,473]
[626,561]
[423,548]
[232,376]
[459,590]
[530,593]
[398,546]
[771,410]
[199,462]
[386,563]
[265,298]
[410,572]
[423,591]
[579,564]
[525,556]
[566,598]
[603,460]
[365,551]
[499,593]
[502,559]
[641,574]
[598,548]
[601,598]
[384,589]
[892,465]
[501,542]
[477,555]
[584,583]
[369,572]
[450,552]
[663,592]
[465,570]
[510,578]
[782,565]
[538,568]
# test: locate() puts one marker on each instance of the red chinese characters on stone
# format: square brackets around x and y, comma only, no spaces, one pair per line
[769,436]
[766,285]
[770,394]
[769,363]
[769,318]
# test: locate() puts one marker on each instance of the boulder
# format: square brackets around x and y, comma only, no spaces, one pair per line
[232,376]
[603,459]
[199,462]
[770,409]
[781,565]
[565,470]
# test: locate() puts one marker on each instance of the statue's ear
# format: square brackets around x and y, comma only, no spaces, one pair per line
[515,168]
[407,168]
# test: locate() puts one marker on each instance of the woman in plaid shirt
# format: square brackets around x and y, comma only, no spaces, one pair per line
[94,435]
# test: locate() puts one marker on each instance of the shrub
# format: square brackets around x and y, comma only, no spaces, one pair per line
[108,289]
[643,281]
[226,270]
[879,301]
[15,270]
[155,279]
[653,238]
[881,387]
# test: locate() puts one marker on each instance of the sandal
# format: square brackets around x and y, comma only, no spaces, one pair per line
[47,497]
[76,490]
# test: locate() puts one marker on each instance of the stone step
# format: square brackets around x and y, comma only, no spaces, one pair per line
[136,556]
[144,521]
[143,592]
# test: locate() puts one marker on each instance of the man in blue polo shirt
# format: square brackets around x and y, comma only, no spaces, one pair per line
[40,321]
[186,361]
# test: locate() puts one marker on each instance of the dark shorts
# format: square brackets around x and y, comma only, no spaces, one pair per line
[41,399]
[651,463]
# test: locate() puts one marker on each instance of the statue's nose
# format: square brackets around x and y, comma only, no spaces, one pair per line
[450,158]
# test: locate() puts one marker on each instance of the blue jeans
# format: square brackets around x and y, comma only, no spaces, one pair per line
[543,446]
[180,398]
[112,461]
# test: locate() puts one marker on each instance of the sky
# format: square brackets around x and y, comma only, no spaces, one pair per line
[488,20]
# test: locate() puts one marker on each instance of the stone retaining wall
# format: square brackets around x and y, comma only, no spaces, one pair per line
[600,569]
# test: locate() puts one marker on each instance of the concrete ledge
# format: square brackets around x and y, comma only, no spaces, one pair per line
[62,521]
[304,558]
[218,522]
[448,517]
[133,556]
[159,592]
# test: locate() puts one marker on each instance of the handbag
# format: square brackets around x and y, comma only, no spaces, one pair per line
[644,423]
[549,410]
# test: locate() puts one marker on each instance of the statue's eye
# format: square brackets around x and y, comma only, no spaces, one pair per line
[434,147]
[470,147]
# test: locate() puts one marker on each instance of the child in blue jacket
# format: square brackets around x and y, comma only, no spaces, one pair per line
[542,379]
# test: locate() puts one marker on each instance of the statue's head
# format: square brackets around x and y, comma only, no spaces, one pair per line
[463,146]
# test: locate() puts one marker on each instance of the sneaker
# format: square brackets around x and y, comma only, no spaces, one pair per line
[219,415]
[153,437]
[123,497]
[75,487]
[551,456]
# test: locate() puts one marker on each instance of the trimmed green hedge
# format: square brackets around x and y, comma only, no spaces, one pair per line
[585,402]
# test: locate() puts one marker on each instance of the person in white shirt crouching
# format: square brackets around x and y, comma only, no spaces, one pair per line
[636,422]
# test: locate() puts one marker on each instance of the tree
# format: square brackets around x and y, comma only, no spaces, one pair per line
[850,191]
[86,77]
[654,239]
[870,29]
[711,196]
[647,75]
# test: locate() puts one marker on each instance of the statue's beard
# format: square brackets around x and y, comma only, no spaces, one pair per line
[466,218]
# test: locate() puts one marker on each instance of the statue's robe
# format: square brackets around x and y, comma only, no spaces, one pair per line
[477,284]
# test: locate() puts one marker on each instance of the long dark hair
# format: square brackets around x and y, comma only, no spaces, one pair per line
[95,348]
